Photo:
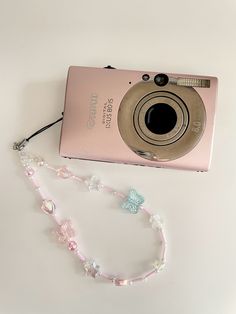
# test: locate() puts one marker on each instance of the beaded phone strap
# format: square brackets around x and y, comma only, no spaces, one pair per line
[133,202]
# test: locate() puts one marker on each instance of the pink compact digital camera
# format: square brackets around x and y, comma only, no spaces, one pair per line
[139,117]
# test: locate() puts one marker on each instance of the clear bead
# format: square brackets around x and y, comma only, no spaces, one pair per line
[25,159]
[158,265]
[93,184]
[64,173]
[156,222]
[91,268]
[161,266]
[48,207]
[39,161]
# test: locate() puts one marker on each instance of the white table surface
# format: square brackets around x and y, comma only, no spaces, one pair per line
[38,41]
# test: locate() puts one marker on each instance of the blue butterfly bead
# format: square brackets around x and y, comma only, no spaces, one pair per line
[133,202]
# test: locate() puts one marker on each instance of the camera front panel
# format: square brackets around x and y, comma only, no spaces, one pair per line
[140,118]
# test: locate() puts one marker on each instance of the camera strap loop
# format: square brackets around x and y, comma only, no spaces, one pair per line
[63,228]
[20,145]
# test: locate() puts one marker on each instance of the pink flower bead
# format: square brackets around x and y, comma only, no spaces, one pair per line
[72,245]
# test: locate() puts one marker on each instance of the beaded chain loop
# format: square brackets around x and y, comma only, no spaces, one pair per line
[133,202]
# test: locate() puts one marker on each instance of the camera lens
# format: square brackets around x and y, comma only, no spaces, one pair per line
[161,79]
[160,118]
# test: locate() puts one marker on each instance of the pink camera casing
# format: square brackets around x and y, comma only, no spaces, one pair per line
[84,136]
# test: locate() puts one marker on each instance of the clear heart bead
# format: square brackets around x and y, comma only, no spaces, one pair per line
[48,207]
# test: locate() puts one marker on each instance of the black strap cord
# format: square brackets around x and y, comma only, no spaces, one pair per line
[20,145]
[43,129]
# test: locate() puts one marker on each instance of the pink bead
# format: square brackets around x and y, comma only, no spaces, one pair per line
[121,282]
[72,245]
[65,231]
[64,173]
[29,172]
[138,279]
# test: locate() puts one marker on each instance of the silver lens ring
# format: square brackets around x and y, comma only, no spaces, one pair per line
[183,139]
[153,100]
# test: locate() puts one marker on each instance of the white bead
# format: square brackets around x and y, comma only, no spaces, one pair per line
[156,222]
[39,161]
[161,266]
[64,172]
[91,268]
[93,184]
[156,264]
[48,206]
